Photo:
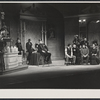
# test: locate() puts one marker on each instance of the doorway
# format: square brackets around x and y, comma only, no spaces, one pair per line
[33,30]
[94,31]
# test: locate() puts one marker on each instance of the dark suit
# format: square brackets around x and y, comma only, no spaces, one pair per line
[2,45]
[19,46]
[46,54]
[29,50]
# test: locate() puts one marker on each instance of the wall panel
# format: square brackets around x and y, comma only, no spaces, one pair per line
[71,29]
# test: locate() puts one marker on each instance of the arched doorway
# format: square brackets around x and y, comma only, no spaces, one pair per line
[94,31]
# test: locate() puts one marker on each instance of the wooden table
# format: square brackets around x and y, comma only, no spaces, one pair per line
[37,59]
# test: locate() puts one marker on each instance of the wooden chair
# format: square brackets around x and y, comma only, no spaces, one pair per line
[41,61]
[69,62]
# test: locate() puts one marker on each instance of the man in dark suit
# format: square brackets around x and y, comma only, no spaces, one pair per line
[29,49]
[19,46]
[2,45]
[43,50]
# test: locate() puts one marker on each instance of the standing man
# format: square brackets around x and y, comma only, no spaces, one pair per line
[29,49]
[43,50]
[76,40]
[84,42]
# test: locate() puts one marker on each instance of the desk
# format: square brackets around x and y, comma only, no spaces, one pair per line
[36,59]
[12,60]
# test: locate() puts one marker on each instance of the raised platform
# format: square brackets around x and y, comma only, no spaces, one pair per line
[38,76]
[18,68]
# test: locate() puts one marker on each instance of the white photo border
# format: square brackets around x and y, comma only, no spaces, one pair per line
[50,93]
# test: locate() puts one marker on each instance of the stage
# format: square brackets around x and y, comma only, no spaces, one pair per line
[50,76]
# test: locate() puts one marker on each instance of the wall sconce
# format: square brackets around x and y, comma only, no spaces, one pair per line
[97,21]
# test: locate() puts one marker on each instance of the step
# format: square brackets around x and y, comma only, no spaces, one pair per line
[18,68]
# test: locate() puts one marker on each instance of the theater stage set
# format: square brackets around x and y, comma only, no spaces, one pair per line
[56,24]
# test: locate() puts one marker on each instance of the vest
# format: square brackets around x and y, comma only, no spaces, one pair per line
[69,51]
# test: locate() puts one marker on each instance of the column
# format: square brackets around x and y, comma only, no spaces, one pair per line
[0,23]
[42,33]
[45,34]
[24,28]
[21,31]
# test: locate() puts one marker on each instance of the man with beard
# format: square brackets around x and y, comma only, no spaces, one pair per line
[43,50]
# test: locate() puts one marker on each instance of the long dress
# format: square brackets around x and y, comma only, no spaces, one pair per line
[94,60]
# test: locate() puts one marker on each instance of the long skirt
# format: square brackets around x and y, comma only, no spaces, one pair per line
[94,60]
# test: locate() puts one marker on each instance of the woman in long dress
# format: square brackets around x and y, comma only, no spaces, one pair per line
[94,60]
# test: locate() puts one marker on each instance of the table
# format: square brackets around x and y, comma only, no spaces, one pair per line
[34,59]
[12,60]
[37,59]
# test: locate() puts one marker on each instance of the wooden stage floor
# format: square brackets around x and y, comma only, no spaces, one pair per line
[38,74]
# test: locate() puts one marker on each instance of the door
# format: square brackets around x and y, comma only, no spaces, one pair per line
[31,30]
[93,32]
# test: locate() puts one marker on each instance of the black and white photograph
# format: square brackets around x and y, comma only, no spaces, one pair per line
[49,45]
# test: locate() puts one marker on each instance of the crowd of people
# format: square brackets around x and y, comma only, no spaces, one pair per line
[39,47]
[81,52]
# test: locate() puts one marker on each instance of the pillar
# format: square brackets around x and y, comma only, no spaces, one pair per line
[21,31]
[45,34]
[24,29]
[42,33]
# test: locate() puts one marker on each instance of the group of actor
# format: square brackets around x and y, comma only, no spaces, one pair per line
[39,47]
[81,52]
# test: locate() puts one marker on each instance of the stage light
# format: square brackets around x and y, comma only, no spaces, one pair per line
[80,21]
[84,20]
[97,21]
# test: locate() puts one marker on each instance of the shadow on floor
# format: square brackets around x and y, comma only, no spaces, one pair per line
[89,80]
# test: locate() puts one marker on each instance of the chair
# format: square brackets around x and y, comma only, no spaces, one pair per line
[68,61]
[85,60]
[41,61]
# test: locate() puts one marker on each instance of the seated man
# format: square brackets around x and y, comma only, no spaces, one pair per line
[36,46]
[94,55]
[84,54]
[43,50]
[69,57]
[19,46]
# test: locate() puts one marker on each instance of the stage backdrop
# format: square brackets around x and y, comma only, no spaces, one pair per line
[71,29]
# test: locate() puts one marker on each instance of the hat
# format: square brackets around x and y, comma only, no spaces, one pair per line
[29,39]
[40,39]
